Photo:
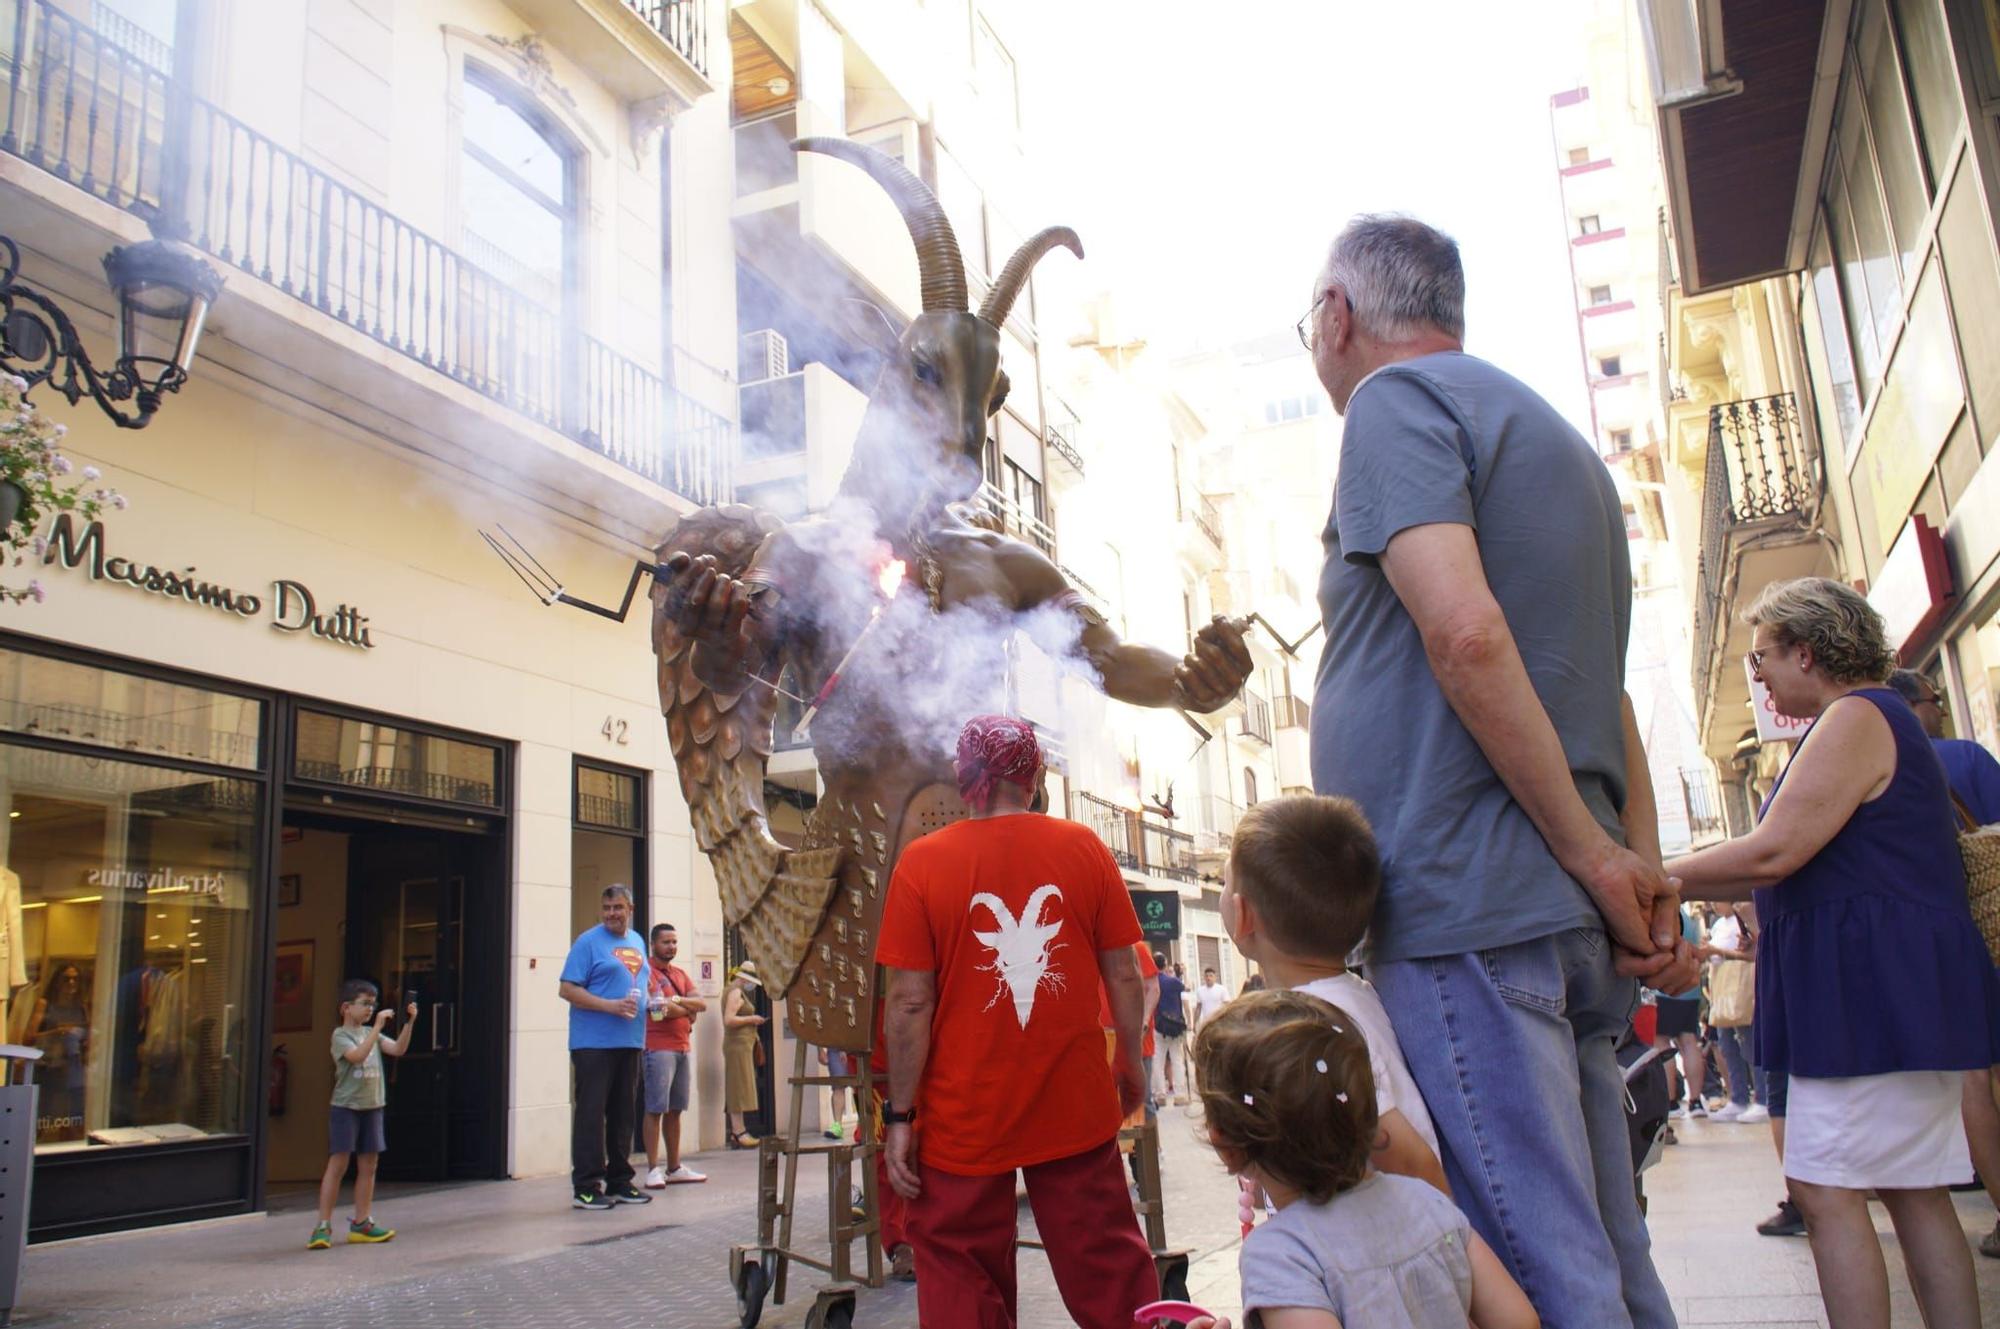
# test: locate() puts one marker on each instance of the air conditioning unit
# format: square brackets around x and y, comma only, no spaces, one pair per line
[761,355]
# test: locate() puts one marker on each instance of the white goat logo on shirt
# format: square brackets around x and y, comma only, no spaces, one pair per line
[1021,949]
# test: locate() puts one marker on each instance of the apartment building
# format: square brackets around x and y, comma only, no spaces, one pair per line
[1832,173]
[1614,209]
[479,270]
[1174,523]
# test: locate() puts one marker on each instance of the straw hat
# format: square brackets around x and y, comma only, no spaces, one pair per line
[747,971]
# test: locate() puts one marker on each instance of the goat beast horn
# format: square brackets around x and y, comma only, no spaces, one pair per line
[941,271]
[1007,286]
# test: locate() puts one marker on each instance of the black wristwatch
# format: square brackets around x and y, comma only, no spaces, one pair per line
[891,1117]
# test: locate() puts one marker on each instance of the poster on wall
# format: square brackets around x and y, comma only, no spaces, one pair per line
[291,988]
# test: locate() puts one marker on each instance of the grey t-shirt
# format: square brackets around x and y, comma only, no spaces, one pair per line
[1390,1254]
[1450,438]
[360,1087]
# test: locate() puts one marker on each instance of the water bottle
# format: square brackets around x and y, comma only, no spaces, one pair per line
[638,998]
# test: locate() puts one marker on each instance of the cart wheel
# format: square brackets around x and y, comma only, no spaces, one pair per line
[751,1285]
[832,1313]
[1173,1278]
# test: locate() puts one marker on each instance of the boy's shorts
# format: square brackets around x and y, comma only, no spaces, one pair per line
[667,1077]
[355,1131]
[839,1063]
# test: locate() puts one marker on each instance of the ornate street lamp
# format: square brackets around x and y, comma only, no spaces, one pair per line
[164,292]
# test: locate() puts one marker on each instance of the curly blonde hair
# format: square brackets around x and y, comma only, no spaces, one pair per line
[1842,629]
[1286,1081]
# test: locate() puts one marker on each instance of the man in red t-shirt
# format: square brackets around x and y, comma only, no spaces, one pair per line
[670,1011]
[997,933]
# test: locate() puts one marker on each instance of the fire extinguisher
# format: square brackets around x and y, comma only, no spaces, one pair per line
[281,1075]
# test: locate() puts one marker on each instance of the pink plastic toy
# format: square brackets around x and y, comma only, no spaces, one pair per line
[1170,1312]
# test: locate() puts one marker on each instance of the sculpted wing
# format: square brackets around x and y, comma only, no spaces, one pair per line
[722,748]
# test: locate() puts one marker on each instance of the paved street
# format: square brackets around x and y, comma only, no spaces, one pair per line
[507,1254]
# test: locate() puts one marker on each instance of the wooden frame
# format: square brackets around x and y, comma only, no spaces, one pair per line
[292,988]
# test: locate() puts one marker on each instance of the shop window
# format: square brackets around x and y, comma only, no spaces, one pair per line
[1893,133]
[77,703]
[1843,389]
[1973,281]
[1875,247]
[391,759]
[607,840]
[1933,80]
[1848,264]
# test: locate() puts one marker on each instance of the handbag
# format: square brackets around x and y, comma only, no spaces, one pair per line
[757,1053]
[1732,994]
[1979,846]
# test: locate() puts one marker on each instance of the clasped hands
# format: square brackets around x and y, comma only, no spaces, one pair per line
[1641,908]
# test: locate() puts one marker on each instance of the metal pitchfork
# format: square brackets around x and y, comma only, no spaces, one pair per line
[543,583]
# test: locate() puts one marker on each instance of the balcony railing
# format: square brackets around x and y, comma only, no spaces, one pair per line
[1256,717]
[1703,800]
[1139,844]
[1207,518]
[684,23]
[1017,521]
[93,114]
[1113,825]
[1757,471]
[1292,713]
[1059,437]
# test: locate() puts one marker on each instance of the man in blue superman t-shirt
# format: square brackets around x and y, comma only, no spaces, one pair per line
[605,981]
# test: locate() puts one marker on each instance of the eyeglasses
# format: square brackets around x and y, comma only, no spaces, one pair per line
[1308,334]
[1756,659]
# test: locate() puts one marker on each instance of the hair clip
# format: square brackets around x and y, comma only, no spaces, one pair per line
[1249,1100]
[1320,1065]
[1340,1097]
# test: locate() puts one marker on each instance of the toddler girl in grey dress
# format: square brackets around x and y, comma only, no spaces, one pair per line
[1290,1102]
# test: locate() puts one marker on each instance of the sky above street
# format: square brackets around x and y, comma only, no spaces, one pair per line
[1208,152]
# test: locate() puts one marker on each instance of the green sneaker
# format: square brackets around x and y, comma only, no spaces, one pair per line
[366,1231]
[321,1239]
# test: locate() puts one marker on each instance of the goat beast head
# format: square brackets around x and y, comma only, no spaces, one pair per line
[944,380]
[1021,947]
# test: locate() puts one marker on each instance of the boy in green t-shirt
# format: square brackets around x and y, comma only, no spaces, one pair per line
[354,1123]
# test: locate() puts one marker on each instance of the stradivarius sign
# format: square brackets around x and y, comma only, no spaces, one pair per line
[292,606]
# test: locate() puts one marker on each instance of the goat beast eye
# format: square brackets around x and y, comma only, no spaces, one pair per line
[927,374]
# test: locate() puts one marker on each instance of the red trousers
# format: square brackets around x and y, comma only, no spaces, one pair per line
[962,1230]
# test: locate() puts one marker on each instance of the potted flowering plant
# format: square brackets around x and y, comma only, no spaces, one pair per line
[34,483]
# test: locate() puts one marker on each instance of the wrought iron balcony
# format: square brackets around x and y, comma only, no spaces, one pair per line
[1136,842]
[1757,473]
[1113,825]
[1059,437]
[1256,717]
[1293,713]
[684,23]
[1703,800]
[93,114]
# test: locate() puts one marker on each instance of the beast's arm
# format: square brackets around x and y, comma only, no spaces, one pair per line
[1202,680]
[738,624]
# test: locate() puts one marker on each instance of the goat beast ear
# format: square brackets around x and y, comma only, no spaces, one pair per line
[871,327]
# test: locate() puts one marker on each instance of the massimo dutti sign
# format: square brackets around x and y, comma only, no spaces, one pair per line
[292,606]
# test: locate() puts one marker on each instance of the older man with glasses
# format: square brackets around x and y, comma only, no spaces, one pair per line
[1477,599]
[1974,776]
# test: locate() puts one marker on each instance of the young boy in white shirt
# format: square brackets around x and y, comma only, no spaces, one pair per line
[1297,896]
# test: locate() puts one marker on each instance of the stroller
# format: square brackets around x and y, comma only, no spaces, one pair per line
[1646,1105]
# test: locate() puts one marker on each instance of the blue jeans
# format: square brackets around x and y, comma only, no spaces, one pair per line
[1512,1048]
[1735,1045]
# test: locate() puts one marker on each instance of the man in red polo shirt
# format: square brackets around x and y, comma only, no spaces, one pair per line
[997,933]
[669,1067]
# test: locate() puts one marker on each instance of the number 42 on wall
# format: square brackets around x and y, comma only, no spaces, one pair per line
[616,731]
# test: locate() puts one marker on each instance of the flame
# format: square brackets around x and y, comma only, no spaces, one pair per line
[890,579]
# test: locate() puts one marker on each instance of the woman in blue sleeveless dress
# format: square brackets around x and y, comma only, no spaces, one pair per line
[1874,989]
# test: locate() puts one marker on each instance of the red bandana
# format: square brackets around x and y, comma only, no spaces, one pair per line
[996,747]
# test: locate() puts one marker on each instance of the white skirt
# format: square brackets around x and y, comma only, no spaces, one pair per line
[1900,1131]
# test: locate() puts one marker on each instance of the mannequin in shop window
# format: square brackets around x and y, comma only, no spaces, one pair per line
[60,1027]
[152,1040]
